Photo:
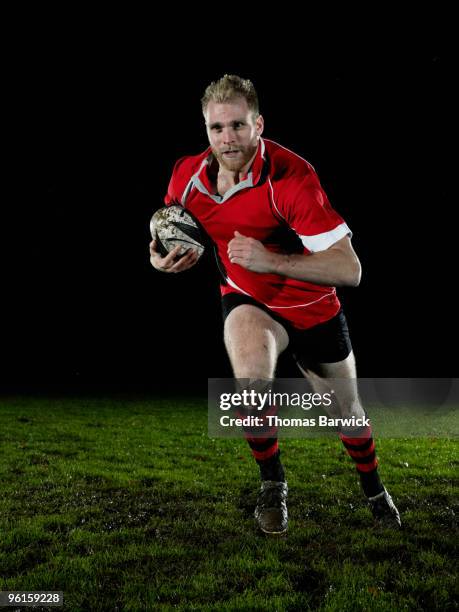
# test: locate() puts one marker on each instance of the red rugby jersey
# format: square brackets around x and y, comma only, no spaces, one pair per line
[279,202]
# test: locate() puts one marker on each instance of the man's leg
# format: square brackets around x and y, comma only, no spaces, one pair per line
[358,441]
[254,342]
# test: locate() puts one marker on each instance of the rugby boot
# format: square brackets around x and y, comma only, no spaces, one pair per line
[384,510]
[271,509]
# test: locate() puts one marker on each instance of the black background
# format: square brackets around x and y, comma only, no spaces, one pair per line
[99,119]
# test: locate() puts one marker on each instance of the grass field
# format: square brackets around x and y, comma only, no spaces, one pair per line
[129,505]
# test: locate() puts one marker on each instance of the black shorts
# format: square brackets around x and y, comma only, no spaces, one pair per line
[327,342]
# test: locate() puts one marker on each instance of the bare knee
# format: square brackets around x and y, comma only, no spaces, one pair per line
[340,379]
[253,341]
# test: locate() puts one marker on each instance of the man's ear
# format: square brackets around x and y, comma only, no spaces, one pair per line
[260,125]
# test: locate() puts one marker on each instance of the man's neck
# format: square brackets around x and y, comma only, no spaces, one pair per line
[233,177]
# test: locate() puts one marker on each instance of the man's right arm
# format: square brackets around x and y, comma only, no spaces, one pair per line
[168,263]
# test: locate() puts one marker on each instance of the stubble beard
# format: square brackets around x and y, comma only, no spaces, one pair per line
[234,165]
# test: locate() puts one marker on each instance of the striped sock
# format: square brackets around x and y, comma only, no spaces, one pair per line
[272,469]
[360,446]
[264,445]
[267,455]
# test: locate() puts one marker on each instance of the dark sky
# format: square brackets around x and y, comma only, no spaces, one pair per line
[99,130]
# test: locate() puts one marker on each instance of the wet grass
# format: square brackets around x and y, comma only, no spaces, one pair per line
[128,505]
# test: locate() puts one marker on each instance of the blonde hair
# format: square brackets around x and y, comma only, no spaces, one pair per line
[227,89]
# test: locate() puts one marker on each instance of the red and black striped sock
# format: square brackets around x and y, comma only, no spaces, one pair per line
[264,445]
[267,454]
[360,445]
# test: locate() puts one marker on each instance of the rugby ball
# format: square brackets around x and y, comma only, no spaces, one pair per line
[173,226]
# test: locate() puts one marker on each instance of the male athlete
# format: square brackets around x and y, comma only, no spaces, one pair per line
[282,250]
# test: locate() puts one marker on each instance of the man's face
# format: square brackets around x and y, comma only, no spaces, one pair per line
[233,132]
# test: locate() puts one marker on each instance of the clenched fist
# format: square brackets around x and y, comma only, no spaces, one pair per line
[251,254]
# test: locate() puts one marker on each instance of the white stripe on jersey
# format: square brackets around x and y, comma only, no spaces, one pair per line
[234,286]
[301,305]
[292,152]
[274,201]
[323,241]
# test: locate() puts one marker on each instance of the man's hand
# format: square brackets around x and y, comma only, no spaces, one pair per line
[167,264]
[251,254]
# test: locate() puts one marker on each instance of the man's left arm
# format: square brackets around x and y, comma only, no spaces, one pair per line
[336,266]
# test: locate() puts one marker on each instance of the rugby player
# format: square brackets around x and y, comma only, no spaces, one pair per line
[282,250]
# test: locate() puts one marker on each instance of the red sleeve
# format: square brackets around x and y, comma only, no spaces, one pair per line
[305,207]
[175,189]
